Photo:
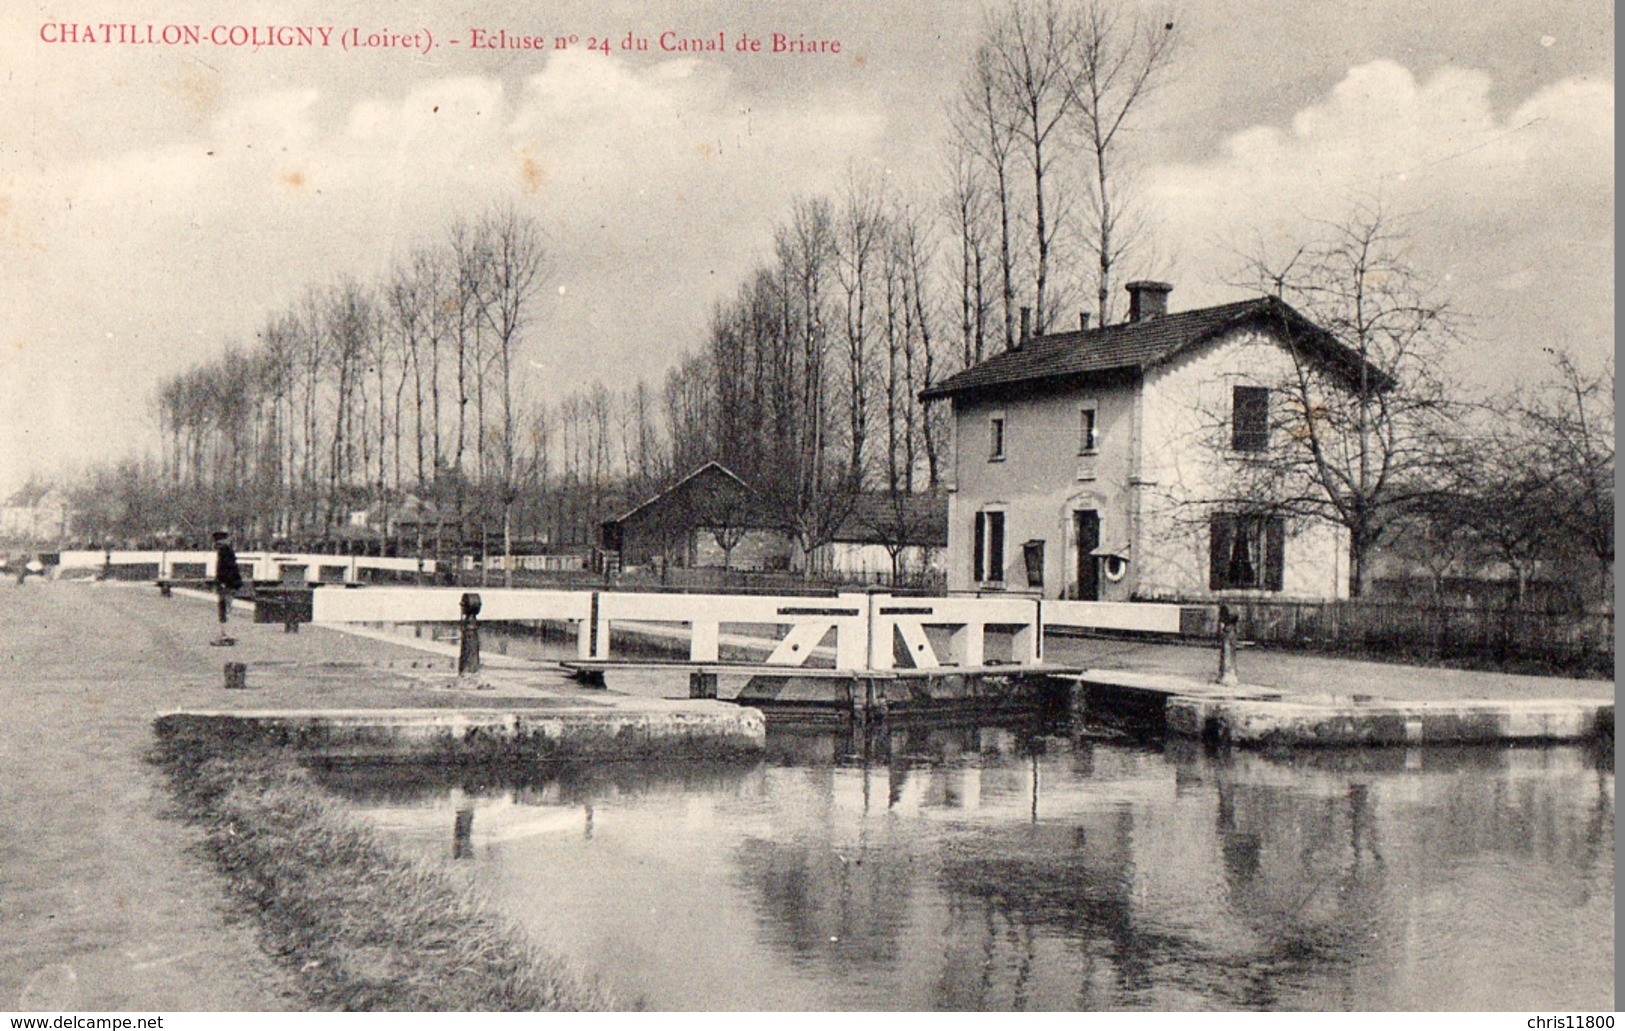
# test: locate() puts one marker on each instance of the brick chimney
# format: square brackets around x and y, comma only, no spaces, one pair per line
[1147,299]
[1026,326]
[1083,321]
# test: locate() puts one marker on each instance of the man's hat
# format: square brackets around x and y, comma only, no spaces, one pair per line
[221,535]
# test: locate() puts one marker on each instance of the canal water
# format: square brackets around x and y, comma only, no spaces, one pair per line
[1043,866]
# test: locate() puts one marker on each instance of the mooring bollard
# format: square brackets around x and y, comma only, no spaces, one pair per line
[462,832]
[236,676]
[1228,621]
[468,653]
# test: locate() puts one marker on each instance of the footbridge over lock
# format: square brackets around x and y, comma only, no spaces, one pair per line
[857,649]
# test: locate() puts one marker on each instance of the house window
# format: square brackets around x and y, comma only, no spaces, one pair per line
[988,557]
[995,438]
[1250,418]
[1087,441]
[1246,551]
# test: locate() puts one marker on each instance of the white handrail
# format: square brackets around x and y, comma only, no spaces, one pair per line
[263,565]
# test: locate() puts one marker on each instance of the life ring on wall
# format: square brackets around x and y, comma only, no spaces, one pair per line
[1115,567]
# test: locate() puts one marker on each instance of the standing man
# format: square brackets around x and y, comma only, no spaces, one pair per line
[227,578]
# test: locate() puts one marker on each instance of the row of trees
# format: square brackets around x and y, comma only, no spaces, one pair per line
[356,392]
[807,381]
[1041,166]
[1533,482]
[807,385]
[408,397]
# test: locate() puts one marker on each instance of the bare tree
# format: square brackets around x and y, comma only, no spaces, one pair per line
[859,237]
[898,523]
[1496,490]
[468,267]
[349,325]
[813,496]
[727,516]
[279,369]
[1033,43]
[1570,421]
[921,361]
[1534,479]
[1117,62]
[1361,426]
[986,128]
[691,414]
[966,203]
[513,269]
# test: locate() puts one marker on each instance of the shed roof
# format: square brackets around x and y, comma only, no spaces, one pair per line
[919,520]
[710,470]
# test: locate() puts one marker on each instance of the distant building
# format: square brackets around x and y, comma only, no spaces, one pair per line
[711,518]
[914,526]
[36,515]
[1082,460]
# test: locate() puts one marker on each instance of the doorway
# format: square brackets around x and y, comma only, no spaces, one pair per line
[1086,526]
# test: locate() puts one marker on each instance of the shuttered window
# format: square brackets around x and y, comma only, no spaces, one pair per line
[988,558]
[1250,418]
[978,554]
[1246,551]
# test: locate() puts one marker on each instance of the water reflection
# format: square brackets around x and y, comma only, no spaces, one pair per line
[1023,867]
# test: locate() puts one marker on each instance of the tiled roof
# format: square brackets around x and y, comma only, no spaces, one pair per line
[1135,346]
[879,518]
[709,469]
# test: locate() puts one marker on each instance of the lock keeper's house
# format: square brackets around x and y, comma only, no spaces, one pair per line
[1102,464]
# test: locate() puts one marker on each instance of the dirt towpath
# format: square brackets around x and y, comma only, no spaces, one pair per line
[105,903]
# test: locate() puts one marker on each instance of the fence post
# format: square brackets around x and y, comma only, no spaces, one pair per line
[852,638]
[468,650]
[600,628]
[586,628]
[1228,622]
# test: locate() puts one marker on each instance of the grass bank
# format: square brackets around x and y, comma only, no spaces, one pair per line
[363,926]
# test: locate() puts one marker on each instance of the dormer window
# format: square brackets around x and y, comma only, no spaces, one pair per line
[1250,418]
[995,438]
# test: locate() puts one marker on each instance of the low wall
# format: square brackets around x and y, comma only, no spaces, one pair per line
[1263,724]
[700,730]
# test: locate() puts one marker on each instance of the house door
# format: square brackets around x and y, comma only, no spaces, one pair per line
[1087,526]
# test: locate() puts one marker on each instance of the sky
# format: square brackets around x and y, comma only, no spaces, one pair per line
[158,202]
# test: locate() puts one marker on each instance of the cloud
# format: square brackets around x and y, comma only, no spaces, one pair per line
[1512,212]
[1381,131]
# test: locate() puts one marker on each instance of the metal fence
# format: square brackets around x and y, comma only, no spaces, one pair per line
[1511,638]
[708,579]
